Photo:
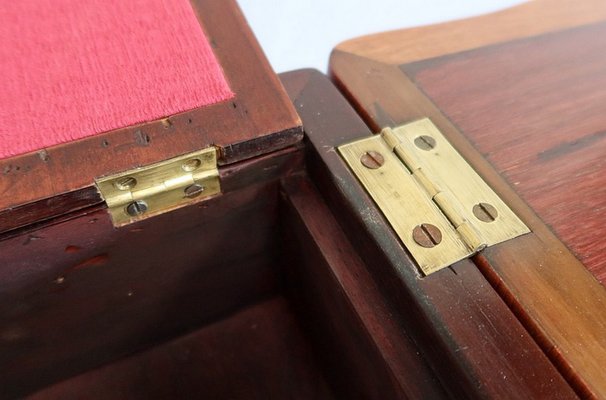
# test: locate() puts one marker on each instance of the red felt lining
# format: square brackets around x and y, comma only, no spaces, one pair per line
[75,68]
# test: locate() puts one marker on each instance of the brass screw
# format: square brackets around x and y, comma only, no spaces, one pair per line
[485,212]
[427,235]
[194,190]
[372,159]
[425,142]
[136,208]
[126,183]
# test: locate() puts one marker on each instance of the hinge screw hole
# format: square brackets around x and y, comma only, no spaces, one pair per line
[125,183]
[425,142]
[191,165]
[485,212]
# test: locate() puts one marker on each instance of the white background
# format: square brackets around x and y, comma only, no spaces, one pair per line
[301,33]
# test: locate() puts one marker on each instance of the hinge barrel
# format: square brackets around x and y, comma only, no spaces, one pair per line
[160,187]
[438,205]
[447,203]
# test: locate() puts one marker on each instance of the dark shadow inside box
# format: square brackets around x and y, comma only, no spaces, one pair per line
[213,300]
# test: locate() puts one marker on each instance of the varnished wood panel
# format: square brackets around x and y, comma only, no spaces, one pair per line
[366,349]
[535,109]
[32,216]
[258,120]
[559,302]
[40,211]
[77,293]
[532,18]
[467,333]
[259,352]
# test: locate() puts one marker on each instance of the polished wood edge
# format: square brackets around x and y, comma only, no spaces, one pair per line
[282,125]
[338,295]
[267,144]
[259,119]
[562,305]
[35,215]
[528,19]
[440,327]
[39,212]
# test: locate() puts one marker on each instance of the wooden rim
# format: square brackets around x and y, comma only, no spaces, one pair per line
[529,19]
[259,119]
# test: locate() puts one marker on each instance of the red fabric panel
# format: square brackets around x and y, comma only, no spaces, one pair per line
[75,68]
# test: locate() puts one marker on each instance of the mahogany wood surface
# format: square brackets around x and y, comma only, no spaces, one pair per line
[366,349]
[259,352]
[541,123]
[40,211]
[532,18]
[258,120]
[77,293]
[469,336]
[552,293]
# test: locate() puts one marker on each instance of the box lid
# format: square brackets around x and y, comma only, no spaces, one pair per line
[239,105]
[524,107]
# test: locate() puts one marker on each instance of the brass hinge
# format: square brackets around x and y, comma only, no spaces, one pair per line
[160,187]
[441,209]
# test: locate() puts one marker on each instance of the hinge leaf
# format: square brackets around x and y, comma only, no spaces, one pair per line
[439,207]
[155,189]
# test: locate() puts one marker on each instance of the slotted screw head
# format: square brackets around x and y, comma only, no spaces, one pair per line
[372,159]
[425,142]
[136,208]
[485,212]
[427,235]
[194,190]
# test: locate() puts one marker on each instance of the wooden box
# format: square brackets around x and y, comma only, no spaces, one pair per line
[290,281]
[520,94]
[78,291]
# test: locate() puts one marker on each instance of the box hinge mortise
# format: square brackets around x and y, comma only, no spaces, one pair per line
[155,189]
[440,208]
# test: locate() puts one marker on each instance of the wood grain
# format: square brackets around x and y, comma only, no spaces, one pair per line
[77,293]
[464,329]
[260,119]
[362,342]
[31,216]
[39,212]
[551,292]
[550,143]
[529,19]
[259,352]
